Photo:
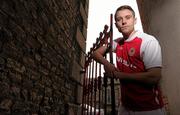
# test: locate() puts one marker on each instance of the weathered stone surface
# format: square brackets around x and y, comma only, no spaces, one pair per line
[6,104]
[79,94]
[41,55]
[81,40]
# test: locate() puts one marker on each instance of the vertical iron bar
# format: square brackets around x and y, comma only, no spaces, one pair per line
[91,103]
[95,88]
[84,87]
[106,35]
[88,85]
[105,91]
[86,90]
[82,107]
[105,94]
[113,106]
[99,87]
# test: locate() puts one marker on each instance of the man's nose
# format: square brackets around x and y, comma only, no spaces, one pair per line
[123,22]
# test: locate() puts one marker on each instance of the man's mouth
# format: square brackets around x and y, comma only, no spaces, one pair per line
[125,27]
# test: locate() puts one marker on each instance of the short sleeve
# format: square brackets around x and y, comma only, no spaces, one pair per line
[152,56]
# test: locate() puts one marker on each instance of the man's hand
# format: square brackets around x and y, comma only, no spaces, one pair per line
[98,56]
[109,69]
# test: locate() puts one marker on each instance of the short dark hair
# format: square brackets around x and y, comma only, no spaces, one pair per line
[124,7]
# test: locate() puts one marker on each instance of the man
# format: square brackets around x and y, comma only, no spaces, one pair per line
[139,62]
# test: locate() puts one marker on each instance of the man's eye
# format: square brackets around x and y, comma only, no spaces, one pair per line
[119,19]
[128,17]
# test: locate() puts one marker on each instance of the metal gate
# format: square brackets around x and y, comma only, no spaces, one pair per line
[94,101]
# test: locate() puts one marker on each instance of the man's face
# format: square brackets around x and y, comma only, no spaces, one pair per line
[125,21]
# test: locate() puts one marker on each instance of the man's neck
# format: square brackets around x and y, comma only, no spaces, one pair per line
[128,35]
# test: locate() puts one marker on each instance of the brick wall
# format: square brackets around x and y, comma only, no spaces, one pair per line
[41,54]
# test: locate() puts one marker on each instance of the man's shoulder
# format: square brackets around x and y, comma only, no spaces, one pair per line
[146,36]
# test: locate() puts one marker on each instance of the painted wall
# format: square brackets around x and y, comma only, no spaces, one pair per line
[162,19]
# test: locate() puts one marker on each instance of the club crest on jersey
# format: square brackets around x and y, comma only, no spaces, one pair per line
[131,51]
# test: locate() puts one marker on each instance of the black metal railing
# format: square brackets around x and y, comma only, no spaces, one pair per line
[94,84]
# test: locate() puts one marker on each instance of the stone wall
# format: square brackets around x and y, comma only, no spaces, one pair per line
[42,45]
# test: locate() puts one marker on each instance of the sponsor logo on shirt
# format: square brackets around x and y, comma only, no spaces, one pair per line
[125,62]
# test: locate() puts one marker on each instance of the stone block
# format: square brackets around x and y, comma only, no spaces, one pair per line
[76,71]
[6,104]
[83,14]
[82,60]
[80,39]
[79,94]
[85,31]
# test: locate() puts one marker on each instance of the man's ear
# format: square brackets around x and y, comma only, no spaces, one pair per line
[135,21]
[115,24]
[117,27]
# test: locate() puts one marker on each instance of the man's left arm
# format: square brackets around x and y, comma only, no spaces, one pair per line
[151,76]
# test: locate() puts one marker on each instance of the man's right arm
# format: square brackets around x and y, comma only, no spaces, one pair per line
[98,55]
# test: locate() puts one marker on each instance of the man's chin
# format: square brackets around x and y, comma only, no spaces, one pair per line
[126,32]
